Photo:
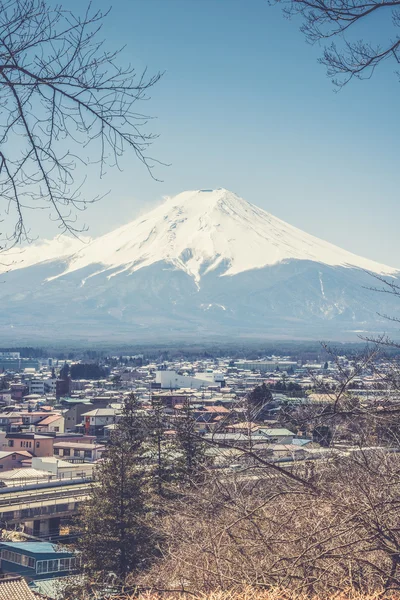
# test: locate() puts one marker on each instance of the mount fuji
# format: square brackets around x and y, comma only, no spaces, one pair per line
[205,264]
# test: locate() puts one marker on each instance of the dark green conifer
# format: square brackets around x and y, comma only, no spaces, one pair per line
[116,535]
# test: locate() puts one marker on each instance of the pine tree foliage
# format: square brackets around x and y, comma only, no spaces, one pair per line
[260,396]
[162,450]
[191,457]
[117,536]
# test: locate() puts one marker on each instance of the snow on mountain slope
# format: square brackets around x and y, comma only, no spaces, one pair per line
[165,275]
[46,250]
[198,230]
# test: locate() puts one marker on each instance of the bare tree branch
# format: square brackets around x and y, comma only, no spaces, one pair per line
[65,101]
[351,57]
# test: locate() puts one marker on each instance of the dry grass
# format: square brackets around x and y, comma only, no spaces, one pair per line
[98,592]
[256,594]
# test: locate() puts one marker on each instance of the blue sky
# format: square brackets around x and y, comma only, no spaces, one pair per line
[245,105]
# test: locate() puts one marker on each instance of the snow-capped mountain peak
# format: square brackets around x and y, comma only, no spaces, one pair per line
[204,263]
[198,231]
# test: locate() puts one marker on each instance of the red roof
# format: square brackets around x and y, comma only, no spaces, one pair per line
[48,420]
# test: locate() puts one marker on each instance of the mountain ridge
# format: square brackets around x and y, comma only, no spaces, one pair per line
[205,263]
[200,229]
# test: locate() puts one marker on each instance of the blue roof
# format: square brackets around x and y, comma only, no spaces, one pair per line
[300,441]
[34,547]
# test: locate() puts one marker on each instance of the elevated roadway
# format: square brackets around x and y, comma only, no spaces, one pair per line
[30,505]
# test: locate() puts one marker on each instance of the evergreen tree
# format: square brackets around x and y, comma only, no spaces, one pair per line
[64,373]
[323,435]
[190,448]
[116,536]
[116,380]
[87,371]
[294,387]
[161,449]
[260,396]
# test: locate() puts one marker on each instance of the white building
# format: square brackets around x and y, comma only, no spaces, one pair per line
[39,385]
[172,380]
[36,386]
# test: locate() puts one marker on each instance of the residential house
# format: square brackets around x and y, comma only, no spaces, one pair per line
[95,420]
[12,459]
[76,451]
[278,435]
[35,443]
[73,409]
[32,400]
[229,402]
[100,401]
[216,411]
[201,417]
[31,417]
[54,422]
[10,421]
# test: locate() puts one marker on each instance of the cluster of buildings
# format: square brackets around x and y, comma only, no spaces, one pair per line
[48,419]
[54,428]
